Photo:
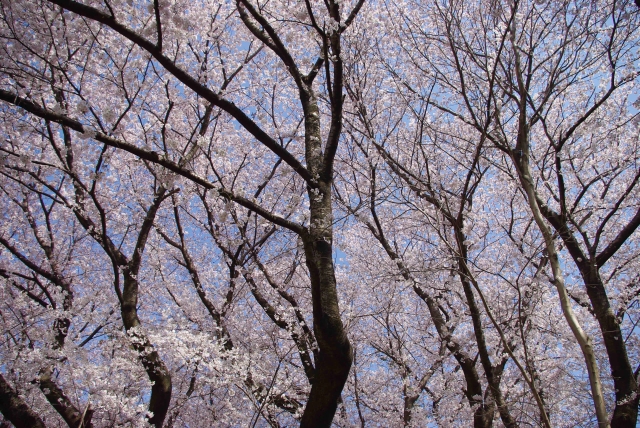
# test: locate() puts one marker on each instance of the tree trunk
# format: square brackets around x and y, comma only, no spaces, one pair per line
[625,413]
[14,408]
[492,378]
[59,400]
[335,355]
[585,342]
[154,366]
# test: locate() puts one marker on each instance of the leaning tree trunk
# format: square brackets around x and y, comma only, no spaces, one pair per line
[584,340]
[625,412]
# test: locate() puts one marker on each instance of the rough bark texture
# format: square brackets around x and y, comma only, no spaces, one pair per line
[335,355]
[14,408]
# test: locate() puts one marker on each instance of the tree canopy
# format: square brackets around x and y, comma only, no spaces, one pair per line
[319,213]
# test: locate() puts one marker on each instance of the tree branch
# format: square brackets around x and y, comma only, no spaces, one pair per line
[184,77]
[147,155]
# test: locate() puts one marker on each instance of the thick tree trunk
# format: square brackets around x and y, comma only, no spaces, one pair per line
[335,354]
[154,366]
[625,412]
[15,409]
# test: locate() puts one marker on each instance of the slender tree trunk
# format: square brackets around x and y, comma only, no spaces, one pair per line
[494,381]
[484,411]
[492,378]
[520,157]
[625,413]
[585,342]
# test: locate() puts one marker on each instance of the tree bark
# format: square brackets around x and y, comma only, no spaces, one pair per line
[585,342]
[58,399]
[484,411]
[14,408]
[625,413]
[154,366]
[335,354]
[492,379]
[152,362]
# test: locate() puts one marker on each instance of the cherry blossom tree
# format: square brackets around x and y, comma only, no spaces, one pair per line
[524,77]
[339,213]
[152,114]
